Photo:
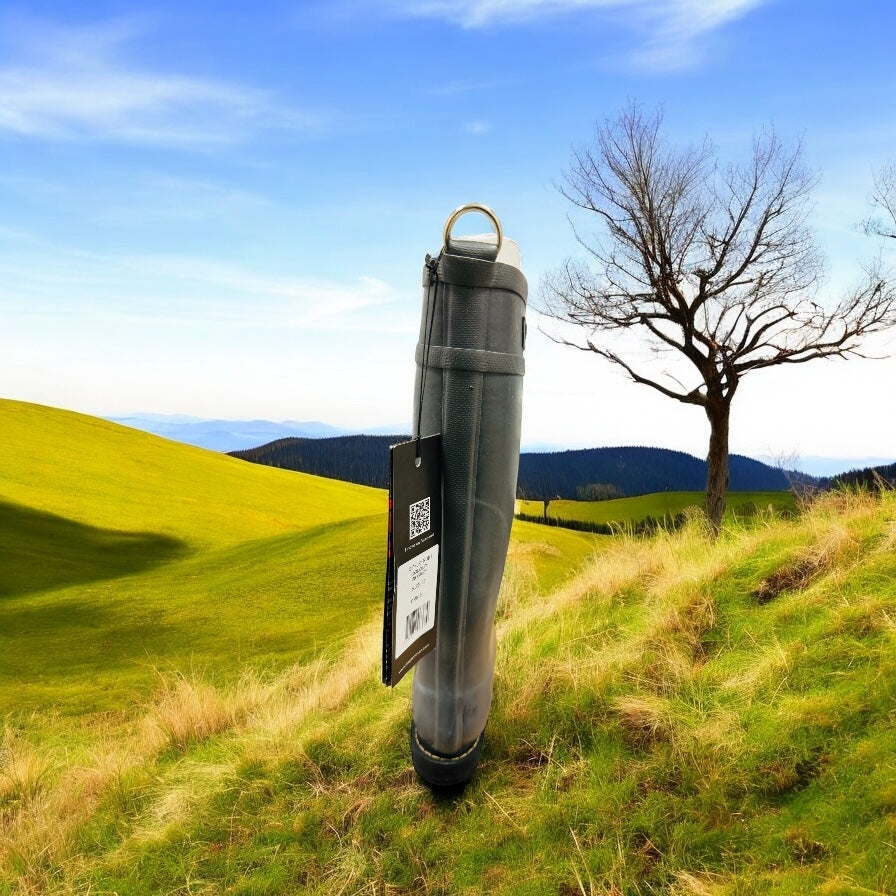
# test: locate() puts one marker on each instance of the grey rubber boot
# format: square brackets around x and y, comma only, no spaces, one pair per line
[470,368]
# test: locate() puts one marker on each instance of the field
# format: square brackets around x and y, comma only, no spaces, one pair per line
[191,700]
[124,557]
[661,505]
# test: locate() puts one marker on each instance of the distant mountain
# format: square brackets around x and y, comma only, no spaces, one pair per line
[240,435]
[223,435]
[234,435]
[815,465]
[633,471]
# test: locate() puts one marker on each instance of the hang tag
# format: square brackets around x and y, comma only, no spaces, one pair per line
[413,562]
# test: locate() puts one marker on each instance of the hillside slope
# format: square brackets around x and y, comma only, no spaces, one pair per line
[123,554]
[105,475]
[682,717]
[125,557]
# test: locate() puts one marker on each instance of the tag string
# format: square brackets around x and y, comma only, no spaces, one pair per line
[432,294]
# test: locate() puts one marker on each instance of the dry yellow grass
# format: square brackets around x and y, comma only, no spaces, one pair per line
[23,770]
[673,569]
[702,884]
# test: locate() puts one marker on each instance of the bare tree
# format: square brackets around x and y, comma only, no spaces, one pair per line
[714,267]
[884,201]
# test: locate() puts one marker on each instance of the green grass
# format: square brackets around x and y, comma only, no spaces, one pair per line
[110,477]
[680,716]
[124,557]
[658,505]
[122,554]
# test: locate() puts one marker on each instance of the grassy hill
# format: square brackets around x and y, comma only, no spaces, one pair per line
[659,505]
[680,716]
[122,554]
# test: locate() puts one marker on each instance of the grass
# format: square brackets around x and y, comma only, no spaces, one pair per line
[122,554]
[681,716]
[624,511]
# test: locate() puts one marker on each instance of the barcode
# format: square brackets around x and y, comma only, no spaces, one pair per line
[420,521]
[417,620]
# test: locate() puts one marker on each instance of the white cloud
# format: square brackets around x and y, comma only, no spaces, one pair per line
[108,333]
[480,13]
[234,295]
[477,128]
[459,86]
[70,83]
[176,291]
[672,27]
[667,27]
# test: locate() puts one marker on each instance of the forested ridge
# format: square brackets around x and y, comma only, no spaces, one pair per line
[868,477]
[635,471]
[563,474]
[362,459]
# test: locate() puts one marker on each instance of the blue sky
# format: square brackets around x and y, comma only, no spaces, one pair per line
[222,209]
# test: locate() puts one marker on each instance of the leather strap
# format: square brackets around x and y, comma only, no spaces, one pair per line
[472,359]
[479,274]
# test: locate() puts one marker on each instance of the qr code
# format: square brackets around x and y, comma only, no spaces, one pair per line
[419,518]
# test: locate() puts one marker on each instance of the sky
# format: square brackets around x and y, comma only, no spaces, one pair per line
[222,209]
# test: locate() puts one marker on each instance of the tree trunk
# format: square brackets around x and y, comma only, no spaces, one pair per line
[718,412]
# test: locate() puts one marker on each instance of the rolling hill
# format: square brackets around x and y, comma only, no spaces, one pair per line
[124,555]
[183,712]
[633,471]
[362,459]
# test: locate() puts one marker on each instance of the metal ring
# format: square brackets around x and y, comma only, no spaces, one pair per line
[472,207]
